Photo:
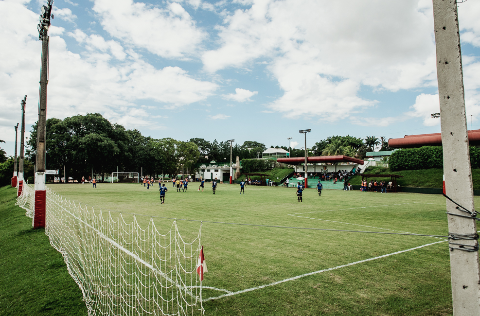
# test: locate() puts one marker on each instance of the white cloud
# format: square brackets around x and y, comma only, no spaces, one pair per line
[469,22]
[88,82]
[293,144]
[425,105]
[219,117]
[64,14]
[240,95]
[71,3]
[375,121]
[169,32]
[321,53]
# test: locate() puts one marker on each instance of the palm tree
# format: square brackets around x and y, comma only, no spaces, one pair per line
[371,142]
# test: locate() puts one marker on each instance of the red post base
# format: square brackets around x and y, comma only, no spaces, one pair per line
[306,184]
[40,205]
[14,182]
[20,188]
[444,191]
[230,179]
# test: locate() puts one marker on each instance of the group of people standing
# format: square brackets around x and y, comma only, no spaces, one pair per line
[374,186]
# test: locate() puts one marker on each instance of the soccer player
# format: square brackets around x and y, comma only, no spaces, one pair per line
[148,184]
[242,187]
[299,193]
[162,193]
[214,185]
[185,185]
[94,181]
[202,185]
[178,185]
[319,188]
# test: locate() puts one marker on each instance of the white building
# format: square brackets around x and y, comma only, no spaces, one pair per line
[275,153]
[214,170]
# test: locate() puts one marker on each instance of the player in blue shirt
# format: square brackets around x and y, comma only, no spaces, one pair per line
[319,188]
[163,190]
[185,184]
[299,193]
[214,185]
[202,184]
[242,187]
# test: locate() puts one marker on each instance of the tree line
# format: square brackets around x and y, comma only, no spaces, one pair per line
[85,143]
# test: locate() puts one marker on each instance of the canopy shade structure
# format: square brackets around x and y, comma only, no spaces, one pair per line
[411,141]
[320,159]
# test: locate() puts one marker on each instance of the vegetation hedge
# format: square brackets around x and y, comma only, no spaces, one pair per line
[254,165]
[426,157]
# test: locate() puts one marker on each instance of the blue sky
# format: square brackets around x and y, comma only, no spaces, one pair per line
[243,69]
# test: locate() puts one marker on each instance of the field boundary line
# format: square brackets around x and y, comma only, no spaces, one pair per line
[320,271]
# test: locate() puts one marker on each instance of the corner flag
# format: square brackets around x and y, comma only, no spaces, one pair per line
[201,265]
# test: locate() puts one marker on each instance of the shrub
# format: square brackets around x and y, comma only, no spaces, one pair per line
[253,165]
[426,157]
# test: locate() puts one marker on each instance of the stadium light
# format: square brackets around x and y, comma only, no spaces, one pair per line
[14,178]
[40,163]
[231,141]
[289,138]
[305,131]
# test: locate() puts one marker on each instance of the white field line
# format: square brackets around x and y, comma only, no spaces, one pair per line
[364,207]
[319,271]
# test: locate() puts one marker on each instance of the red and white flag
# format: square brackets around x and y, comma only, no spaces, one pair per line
[201,264]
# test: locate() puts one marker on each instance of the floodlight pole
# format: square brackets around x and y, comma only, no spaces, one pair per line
[40,189]
[231,141]
[14,178]
[22,149]
[463,237]
[305,131]
[289,138]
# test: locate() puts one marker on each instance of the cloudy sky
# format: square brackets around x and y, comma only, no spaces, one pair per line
[243,69]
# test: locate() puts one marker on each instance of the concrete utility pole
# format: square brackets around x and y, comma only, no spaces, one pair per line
[14,178]
[463,237]
[231,171]
[22,150]
[40,190]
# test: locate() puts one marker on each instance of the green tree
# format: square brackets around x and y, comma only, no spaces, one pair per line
[338,145]
[204,148]
[188,154]
[3,153]
[385,146]
[162,156]
[371,142]
[82,143]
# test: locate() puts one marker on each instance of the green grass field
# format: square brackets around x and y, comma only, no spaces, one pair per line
[33,276]
[259,247]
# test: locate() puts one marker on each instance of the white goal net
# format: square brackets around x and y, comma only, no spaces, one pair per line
[121,268]
[124,177]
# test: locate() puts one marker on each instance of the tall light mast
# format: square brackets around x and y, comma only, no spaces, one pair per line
[40,190]
[22,149]
[14,178]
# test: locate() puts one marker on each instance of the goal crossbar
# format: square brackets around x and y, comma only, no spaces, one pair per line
[126,174]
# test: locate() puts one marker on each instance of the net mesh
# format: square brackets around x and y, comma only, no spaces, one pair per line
[121,268]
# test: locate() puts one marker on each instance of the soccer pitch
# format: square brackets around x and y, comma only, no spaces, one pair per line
[344,253]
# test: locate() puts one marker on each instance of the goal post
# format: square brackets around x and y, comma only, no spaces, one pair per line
[125,177]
